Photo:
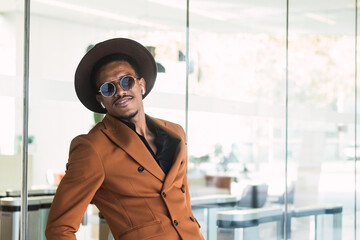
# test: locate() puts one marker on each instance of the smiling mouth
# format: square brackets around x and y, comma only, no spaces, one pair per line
[122,101]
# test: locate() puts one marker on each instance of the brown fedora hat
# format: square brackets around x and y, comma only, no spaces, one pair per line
[83,79]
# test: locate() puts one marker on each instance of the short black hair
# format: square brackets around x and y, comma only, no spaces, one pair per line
[113,58]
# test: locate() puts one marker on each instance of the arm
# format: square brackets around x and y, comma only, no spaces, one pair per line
[186,184]
[84,175]
[187,192]
[188,202]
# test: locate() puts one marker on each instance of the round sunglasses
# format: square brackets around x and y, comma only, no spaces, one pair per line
[126,82]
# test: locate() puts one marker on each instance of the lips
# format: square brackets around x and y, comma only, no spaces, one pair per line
[122,101]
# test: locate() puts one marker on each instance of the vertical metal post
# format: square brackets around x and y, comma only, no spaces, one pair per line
[316,227]
[337,226]
[211,223]
[211,233]
[286,121]
[254,196]
[187,70]
[355,153]
[250,233]
[24,188]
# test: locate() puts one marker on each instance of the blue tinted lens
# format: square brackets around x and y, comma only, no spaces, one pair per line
[127,82]
[108,89]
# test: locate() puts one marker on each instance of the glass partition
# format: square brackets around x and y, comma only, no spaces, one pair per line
[60,42]
[11,90]
[244,142]
[237,101]
[321,111]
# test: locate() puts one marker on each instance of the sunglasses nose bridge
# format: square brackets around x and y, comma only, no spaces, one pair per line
[118,88]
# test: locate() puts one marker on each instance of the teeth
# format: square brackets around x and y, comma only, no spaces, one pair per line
[123,101]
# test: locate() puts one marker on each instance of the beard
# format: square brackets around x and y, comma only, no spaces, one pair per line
[129,116]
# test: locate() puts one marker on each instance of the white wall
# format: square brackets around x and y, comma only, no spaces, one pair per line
[56,116]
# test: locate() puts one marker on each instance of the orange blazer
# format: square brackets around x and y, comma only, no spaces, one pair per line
[112,167]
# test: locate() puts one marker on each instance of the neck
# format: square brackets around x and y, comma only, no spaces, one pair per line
[139,121]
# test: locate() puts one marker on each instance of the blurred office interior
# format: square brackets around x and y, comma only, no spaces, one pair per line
[266,91]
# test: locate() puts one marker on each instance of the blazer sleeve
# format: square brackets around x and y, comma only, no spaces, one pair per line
[186,184]
[188,201]
[84,176]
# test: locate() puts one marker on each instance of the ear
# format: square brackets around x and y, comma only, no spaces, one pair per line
[98,98]
[142,83]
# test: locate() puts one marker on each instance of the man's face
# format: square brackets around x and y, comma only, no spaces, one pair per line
[123,104]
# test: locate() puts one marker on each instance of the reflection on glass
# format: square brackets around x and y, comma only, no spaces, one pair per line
[236,125]
[236,106]
[321,117]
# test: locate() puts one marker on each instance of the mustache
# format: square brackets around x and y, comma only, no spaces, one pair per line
[120,97]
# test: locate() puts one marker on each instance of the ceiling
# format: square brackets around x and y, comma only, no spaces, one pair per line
[332,17]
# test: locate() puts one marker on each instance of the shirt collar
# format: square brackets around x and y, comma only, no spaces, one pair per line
[154,128]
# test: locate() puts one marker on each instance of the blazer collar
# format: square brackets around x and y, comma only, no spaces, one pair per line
[179,156]
[127,139]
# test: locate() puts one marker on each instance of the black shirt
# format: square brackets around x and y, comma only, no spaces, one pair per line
[165,144]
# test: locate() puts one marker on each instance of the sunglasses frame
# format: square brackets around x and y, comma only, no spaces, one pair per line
[119,80]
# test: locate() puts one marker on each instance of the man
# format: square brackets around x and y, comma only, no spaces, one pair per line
[130,165]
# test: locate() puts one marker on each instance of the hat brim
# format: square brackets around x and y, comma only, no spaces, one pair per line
[84,86]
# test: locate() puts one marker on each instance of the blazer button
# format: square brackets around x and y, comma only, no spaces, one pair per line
[141,169]
[164,194]
[176,223]
[192,219]
[182,189]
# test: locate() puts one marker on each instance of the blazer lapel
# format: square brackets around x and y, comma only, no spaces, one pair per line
[180,154]
[128,140]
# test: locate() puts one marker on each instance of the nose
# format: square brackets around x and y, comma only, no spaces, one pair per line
[119,90]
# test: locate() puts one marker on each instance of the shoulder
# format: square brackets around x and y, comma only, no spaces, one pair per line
[93,138]
[85,158]
[177,128]
[166,123]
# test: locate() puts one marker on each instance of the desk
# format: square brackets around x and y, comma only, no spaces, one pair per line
[211,205]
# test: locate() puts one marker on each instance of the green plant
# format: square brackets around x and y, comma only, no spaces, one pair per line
[30,139]
[98,117]
[225,159]
[199,160]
